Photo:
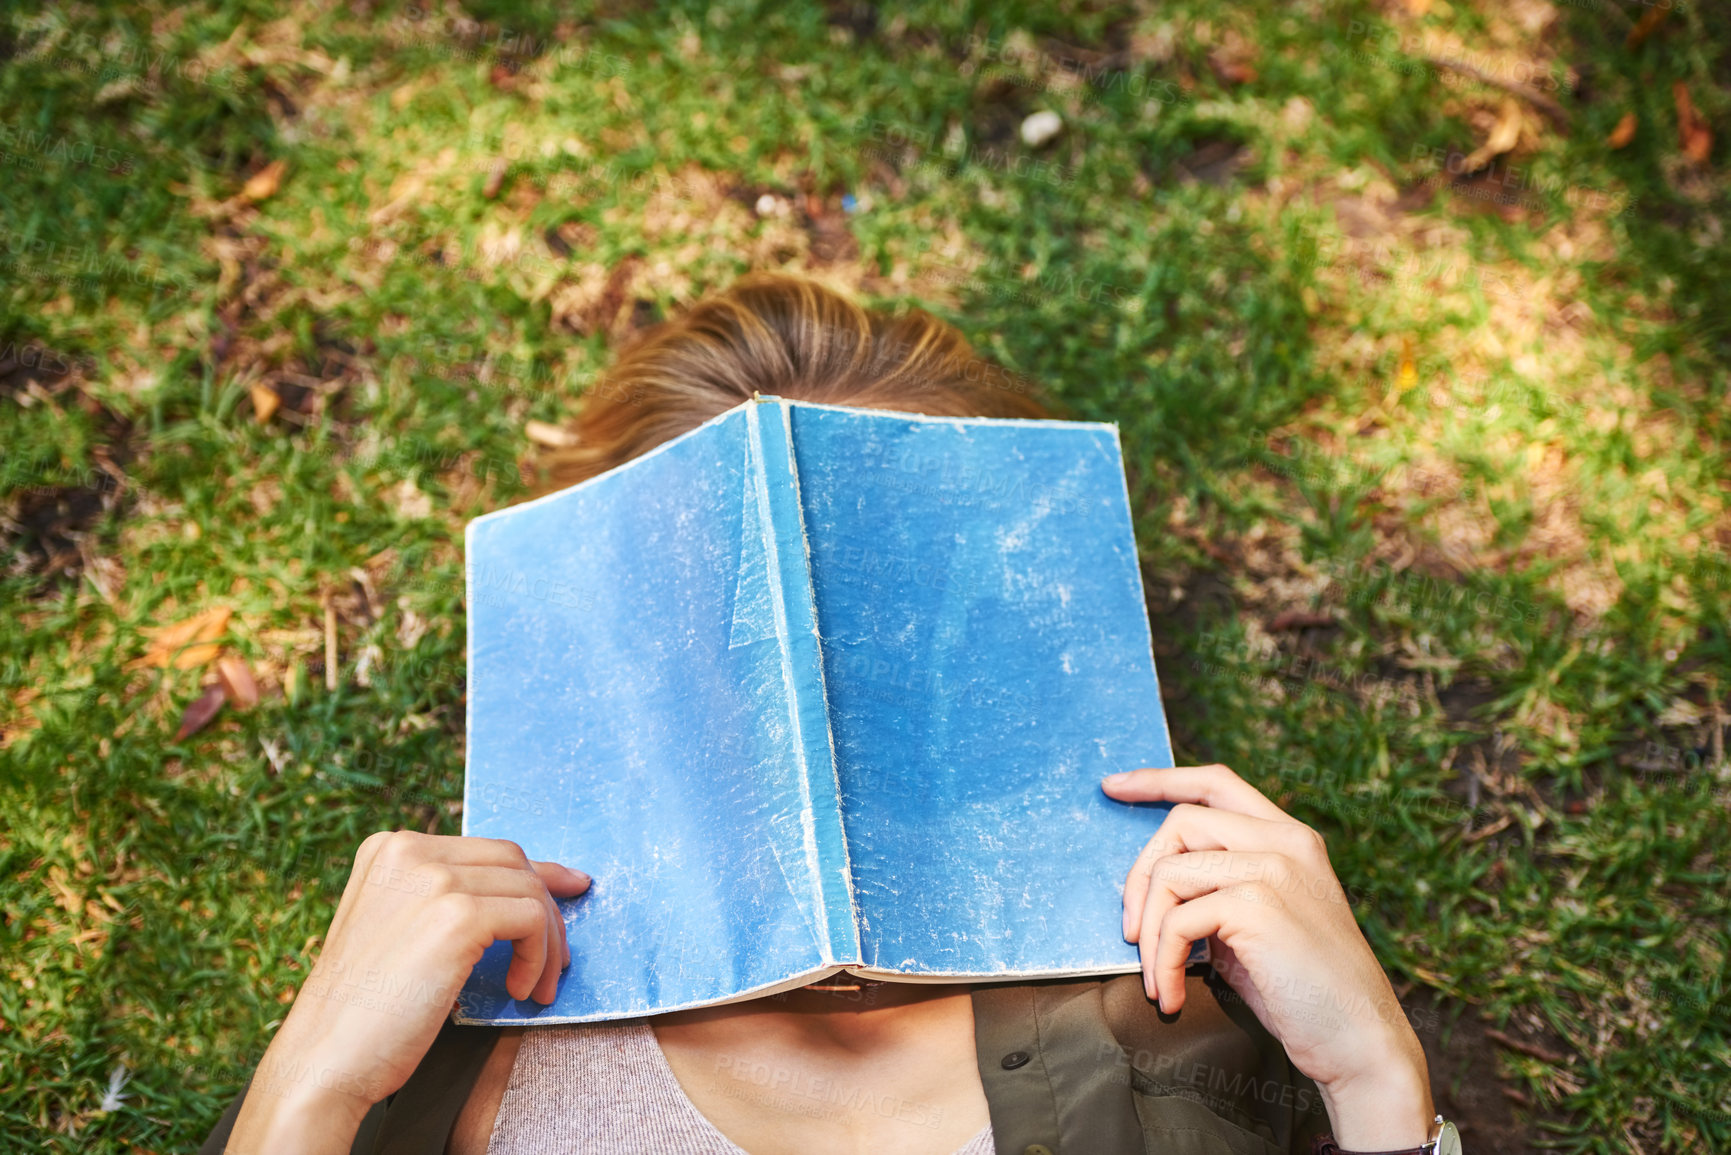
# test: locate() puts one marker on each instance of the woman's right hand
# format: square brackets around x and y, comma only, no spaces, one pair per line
[417,913]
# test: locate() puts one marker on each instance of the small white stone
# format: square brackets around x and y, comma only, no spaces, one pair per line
[1041,127]
[768,206]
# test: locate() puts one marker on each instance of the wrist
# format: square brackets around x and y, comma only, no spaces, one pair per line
[299,1101]
[311,1122]
[1385,1108]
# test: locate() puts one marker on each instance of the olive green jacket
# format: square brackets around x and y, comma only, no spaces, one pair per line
[1086,1067]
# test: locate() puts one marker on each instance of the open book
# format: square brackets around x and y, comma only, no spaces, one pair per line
[813,689]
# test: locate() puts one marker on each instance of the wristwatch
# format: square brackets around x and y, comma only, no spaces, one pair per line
[1444,1140]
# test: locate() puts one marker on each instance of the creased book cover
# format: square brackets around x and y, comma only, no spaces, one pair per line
[812,689]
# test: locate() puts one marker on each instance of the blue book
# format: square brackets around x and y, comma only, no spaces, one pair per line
[813,689]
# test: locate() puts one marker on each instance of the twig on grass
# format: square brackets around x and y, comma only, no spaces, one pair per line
[1558,115]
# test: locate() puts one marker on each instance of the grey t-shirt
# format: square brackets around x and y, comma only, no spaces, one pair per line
[606,1089]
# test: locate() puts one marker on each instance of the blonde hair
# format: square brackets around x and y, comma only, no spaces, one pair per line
[789,337]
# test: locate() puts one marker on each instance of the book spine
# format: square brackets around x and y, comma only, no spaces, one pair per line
[802,664]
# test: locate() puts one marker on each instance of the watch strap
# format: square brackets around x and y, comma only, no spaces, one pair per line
[1443,1141]
[1325,1145]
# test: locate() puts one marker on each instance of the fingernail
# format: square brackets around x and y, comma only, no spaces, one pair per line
[1148,986]
[581,877]
[1114,779]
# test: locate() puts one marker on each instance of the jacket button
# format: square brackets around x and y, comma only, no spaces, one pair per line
[1037,1149]
[1010,1062]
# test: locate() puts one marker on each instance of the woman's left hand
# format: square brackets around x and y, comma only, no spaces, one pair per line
[1230,866]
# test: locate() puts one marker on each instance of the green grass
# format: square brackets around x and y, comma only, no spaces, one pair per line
[1488,447]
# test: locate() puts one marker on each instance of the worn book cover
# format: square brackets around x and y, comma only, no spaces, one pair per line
[812,689]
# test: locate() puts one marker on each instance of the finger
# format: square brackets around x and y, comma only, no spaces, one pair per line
[1186,877]
[553,965]
[1180,878]
[1188,828]
[561,933]
[1168,888]
[561,881]
[468,924]
[543,879]
[407,849]
[1175,879]
[1175,836]
[554,879]
[1213,786]
[1212,914]
[395,854]
[503,882]
[523,922]
[561,942]
[465,849]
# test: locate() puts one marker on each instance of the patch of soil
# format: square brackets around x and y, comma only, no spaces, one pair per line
[1464,702]
[1175,623]
[50,522]
[609,314]
[23,362]
[826,226]
[858,18]
[1000,106]
[43,524]
[1469,1092]
[1212,160]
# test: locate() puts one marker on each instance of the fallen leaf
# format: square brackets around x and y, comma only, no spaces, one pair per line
[188,643]
[1231,69]
[1417,7]
[264,183]
[549,436]
[1408,375]
[1644,27]
[265,401]
[495,179]
[237,681]
[410,501]
[61,883]
[1681,712]
[1625,130]
[200,711]
[119,90]
[403,193]
[1692,126]
[1504,135]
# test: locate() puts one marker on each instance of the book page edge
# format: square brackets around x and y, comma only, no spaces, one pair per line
[780,986]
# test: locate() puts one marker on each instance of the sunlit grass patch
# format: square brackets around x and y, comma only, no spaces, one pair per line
[1426,456]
